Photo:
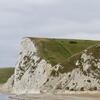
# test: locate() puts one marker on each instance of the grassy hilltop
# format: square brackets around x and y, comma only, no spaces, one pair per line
[61,50]
[55,51]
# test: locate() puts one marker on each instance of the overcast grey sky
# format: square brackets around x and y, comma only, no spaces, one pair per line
[45,18]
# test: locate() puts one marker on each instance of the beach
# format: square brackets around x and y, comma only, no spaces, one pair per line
[55,97]
[5,96]
[74,95]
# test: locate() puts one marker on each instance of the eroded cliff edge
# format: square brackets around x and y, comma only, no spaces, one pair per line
[35,73]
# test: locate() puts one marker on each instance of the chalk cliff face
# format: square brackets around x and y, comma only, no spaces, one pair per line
[34,74]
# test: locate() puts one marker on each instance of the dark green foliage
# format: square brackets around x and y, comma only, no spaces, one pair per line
[73,42]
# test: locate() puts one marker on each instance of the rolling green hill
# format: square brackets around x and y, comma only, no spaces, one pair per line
[5,73]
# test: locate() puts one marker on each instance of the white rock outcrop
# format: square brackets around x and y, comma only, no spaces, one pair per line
[33,74]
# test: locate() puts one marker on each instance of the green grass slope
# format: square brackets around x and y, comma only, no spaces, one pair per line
[58,50]
[61,50]
[5,73]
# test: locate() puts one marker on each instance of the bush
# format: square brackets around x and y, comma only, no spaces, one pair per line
[73,42]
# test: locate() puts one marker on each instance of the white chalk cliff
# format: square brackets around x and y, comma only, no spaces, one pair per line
[33,74]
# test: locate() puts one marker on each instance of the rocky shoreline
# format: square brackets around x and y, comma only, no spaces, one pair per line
[72,95]
[56,97]
[3,89]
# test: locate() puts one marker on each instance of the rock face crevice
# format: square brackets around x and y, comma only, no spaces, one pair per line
[34,74]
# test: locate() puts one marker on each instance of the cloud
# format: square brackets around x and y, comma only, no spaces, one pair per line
[41,2]
[68,27]
[45,18]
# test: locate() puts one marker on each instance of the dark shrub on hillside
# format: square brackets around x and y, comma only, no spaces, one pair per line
[73,42]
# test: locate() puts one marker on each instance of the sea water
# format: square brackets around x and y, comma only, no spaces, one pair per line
[4,97]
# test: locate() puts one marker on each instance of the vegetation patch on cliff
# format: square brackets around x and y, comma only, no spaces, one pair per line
[5,73]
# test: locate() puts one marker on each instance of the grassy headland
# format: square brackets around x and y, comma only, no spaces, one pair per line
[60,51]
[55,51]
